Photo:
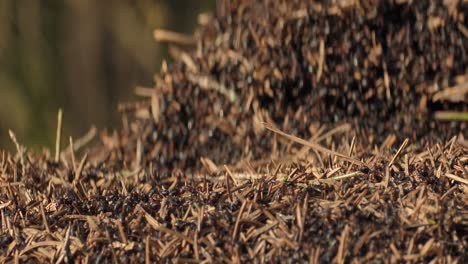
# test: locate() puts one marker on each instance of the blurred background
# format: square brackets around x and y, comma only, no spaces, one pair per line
[84,56]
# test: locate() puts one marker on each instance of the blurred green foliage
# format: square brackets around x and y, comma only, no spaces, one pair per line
[84,56]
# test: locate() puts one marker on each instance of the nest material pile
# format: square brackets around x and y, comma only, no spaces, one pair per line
[380,66]
[213,167]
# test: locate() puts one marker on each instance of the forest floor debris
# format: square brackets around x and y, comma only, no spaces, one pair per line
[289,131]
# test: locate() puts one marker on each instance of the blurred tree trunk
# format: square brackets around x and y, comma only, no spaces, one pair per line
[82,55]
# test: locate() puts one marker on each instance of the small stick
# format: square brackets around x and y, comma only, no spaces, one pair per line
[403,146]
[147,250]
[44,218]
[5,185]
[155,224]
[351,148]
[155,108]
[162,35]
[18,148]
[59,136]
[121,231]
[109,239]
[201,215]
[230,174]
[304,216]
[455,93]
[340,258]
[228,187]
[239,215]
[387,82]
[463,29]
[195,246]
[4,205]
[81,142]
[64,248]
[72,153]
[139,155]
[321,59]
[456,178]
[313,145]
[345,176]
[337,178]
[451,116]
[80,168]
[208,83]
[387,176]
[15,141]
[144,91]
[448,192]
[407,165]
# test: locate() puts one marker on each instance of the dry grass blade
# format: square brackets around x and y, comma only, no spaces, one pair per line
[313,145]
[346,176]
[451,116]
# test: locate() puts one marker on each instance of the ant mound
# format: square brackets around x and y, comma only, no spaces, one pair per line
[284,132]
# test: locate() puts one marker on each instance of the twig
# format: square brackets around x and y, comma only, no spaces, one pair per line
[155,108]
[147,250]
[345,176]
[72,154]
[162,35]
[64,247]
[44,218]
[58,136]
[340,258]
[155,224]
[5,185]
[144,91]
[451,116]
[19,149]
[453,94]
[81,166]
[207,83]
[82,141]
[403,146]
[456,178]
[313,145]
[239,215]
[321,59]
